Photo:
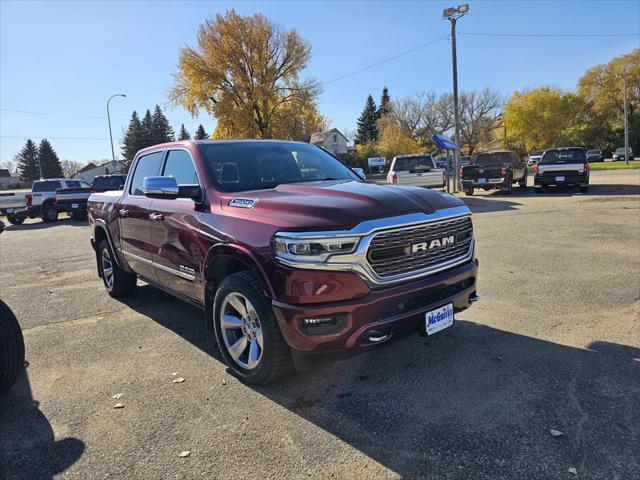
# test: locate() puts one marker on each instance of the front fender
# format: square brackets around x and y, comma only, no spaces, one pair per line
[243,255]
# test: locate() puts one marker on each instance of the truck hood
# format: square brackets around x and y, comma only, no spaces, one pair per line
[334,204]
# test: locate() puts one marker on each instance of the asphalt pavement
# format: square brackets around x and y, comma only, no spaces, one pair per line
[554,343]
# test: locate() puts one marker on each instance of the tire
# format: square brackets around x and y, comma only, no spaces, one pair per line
[584,189]
[15,220]
[49,213]
[522,183]
[11,347]
[468,191]
[117,282]
[253,320]
[537,189]
[78,216]
[507,186]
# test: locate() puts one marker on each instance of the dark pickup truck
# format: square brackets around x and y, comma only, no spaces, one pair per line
[494,170]
[562,167]
[293,259]
[74,200]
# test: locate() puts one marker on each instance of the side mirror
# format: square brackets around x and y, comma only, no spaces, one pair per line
[167,188]
[359,172]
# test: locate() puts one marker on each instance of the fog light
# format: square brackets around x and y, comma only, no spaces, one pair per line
[323,325]
[319,321]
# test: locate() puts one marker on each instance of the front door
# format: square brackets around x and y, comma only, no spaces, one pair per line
[133,213]
[179,255]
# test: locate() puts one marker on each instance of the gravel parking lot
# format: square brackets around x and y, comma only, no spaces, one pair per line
[554,343]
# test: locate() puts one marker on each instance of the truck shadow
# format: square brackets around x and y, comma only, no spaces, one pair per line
[28,447]
[595,190]
[482,205]
[470,402]
[39,224]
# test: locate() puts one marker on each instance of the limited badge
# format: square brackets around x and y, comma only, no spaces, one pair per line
[242,202]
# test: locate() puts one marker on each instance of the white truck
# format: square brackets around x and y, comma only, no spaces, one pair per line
[419,170]
[40,202]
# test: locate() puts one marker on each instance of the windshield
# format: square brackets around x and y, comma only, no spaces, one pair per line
[411,164]
[240,166]
[537,153]
[114,182]
[593,152]
[621,150]
[567,155]
[495,158]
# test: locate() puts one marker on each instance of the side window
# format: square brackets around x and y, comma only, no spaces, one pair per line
[73,184]
[147,166]
[180,166]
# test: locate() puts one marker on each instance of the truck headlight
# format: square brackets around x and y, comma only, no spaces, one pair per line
[312,249]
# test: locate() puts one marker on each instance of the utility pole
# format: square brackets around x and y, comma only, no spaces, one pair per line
[453,14]
[113,155]
[626,118]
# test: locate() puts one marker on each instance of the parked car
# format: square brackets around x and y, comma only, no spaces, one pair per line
[11,346]
[417,170]
[567,166]
[40,202]
[535,157]
[619,154]
[494,170]
[74,200]
[596,156]
[293,259]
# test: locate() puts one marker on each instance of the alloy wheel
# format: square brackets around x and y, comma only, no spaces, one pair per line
[241,331]
[107,269]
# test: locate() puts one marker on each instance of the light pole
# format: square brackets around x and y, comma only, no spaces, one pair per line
[453,14]
[626,117]
[113,155]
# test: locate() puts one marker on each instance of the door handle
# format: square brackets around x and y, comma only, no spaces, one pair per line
[123,212]
[156,217]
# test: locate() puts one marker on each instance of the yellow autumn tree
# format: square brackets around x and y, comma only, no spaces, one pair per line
[245,71]
[392,142]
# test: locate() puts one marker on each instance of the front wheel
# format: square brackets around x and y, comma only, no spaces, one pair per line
[247,331]
[11,346]
[117,282]
[15,220]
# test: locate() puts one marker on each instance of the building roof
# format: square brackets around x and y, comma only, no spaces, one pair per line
[320,137]
[4,173]
[88,166]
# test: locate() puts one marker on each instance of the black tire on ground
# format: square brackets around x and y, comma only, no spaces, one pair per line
[507,187]
[537,189]
[15,220]
[584,189]
[78,216]
[11,347]
[468,191]
[117,282]
[523,181]
[49,213]
[275,358]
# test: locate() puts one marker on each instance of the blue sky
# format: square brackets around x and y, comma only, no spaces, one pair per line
[64,59]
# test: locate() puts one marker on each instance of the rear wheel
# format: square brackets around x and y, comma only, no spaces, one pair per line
[523,181]
[247,331]
[117,282]
[507,186]
[584,189]
[11,347]
[468,191]
[49,213]
[15,220]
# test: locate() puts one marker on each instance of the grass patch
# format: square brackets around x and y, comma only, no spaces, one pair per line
[614,165]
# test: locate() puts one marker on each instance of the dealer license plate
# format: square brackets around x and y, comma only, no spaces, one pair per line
[74,205]
[482,180]
[559,179]
[439,319]
[9,210]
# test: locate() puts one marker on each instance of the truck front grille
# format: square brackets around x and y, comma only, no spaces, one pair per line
[405,250]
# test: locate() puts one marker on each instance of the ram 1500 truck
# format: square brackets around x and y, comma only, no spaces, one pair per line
[293,259]
[494,170]
[560,167]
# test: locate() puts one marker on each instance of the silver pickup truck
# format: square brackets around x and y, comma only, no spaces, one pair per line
[40,202]
[418,170]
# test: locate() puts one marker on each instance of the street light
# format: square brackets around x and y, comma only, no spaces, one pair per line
[453,14]
[113,155]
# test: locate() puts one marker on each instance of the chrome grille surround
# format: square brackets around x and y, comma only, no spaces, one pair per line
[358,260]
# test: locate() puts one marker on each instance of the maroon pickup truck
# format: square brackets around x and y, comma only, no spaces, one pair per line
[294,260]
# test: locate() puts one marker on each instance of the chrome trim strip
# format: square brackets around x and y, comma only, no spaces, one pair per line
[555,167]
[161,267]
[357,261]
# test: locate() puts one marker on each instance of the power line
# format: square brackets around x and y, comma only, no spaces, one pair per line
[406,52]
[481,34]
[75,115]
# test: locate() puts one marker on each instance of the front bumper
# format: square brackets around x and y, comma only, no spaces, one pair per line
[396,311]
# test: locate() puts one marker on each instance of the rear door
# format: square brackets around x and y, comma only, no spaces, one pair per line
[179,254]
[133,214]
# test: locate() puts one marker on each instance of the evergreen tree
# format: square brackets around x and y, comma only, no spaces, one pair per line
[49,161]
[161,130]
[200,133]
[366,124]
[184,134]
[147,131]
[385,103]
[133,139]
[28,161]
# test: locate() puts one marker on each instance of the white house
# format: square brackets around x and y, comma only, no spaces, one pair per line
[332,141]
[90,171]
